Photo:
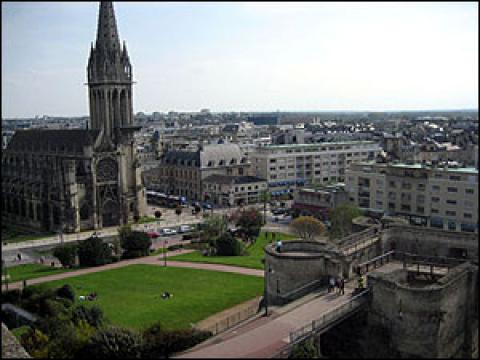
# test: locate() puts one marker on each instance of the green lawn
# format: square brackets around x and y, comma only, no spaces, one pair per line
[32,271]
[252,260]
[131,296]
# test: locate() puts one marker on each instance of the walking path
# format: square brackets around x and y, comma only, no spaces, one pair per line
[150,260]
[265,336]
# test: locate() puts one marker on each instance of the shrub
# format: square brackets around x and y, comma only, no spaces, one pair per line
[70,340]
[175,247]
[93,315]
[307,227]
[66,254]
[66,292]
[93,252]
[113,342]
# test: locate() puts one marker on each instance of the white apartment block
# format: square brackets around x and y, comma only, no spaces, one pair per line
[286,166]
[445,198]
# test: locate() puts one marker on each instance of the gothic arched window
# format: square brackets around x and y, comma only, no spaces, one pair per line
[107,170]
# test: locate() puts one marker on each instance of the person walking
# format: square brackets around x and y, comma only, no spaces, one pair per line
[342,286]
[331,284]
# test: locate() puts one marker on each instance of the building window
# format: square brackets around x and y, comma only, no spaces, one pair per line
[469,191]
[450,213]
[435,188]
[455,177]
[452,225]
[452,189]
[452,202]
[467,215]
[434,211]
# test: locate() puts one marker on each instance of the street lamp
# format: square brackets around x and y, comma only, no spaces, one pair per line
[265,296]
[165,242]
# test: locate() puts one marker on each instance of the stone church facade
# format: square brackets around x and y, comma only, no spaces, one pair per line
[75,180]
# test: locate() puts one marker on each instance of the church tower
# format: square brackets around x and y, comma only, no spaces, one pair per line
[109,75]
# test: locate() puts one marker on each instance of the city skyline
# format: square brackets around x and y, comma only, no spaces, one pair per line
[248,56]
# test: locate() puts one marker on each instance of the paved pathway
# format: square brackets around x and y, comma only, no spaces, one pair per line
[150,260]
[264,336]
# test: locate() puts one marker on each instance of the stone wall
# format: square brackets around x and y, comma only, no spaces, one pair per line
[11,348]
[427,241]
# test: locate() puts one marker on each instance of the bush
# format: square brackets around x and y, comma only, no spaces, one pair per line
[159,343]
[228,245]
[66,292]
[113,342]
[175,247]
[70,340]
[158,214]
[93,315]
[93,252]
[66,254]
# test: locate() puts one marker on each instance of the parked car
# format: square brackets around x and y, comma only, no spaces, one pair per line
[207,206]
[168,232]
[279,211]
[182,229]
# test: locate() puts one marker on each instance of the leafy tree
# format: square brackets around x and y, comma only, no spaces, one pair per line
[158,214]
[36,343]
[160,343]
[135,244]
[93,315]
[228,245]
[304,350]
[249,223]
[66,254]
[307,227]
[66,292]
[341,218]
[93,252]
[113,342]
[213,228]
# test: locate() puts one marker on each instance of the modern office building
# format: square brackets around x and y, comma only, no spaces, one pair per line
[286,166]
[440,197]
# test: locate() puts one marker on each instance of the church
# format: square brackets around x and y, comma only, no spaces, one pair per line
[81,179]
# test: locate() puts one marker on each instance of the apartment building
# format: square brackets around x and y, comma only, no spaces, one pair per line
[441,197]
[286,166]
[320,201]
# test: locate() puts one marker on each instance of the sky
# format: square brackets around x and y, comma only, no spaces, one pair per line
[247,56]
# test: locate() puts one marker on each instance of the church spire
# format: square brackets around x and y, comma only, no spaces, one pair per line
[107,33]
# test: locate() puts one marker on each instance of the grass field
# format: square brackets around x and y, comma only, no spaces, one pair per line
[31,271]
[131,296]
[253,260]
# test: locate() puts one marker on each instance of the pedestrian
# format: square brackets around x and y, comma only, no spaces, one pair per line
[19,256]
[331,284]
[342,286]
[279,246]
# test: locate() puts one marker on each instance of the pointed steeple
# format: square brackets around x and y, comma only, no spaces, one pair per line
[107,33]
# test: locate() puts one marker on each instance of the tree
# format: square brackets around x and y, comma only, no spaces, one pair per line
[265,197]
[93,315]
[66,254]
[135,244]
[113,342]
[36,343]
[250,223]
[159,343]
[213,228]
[158,214]
[66,292]
[228,245]
[304,350]
[341,218]
[93,252]
[307,227]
